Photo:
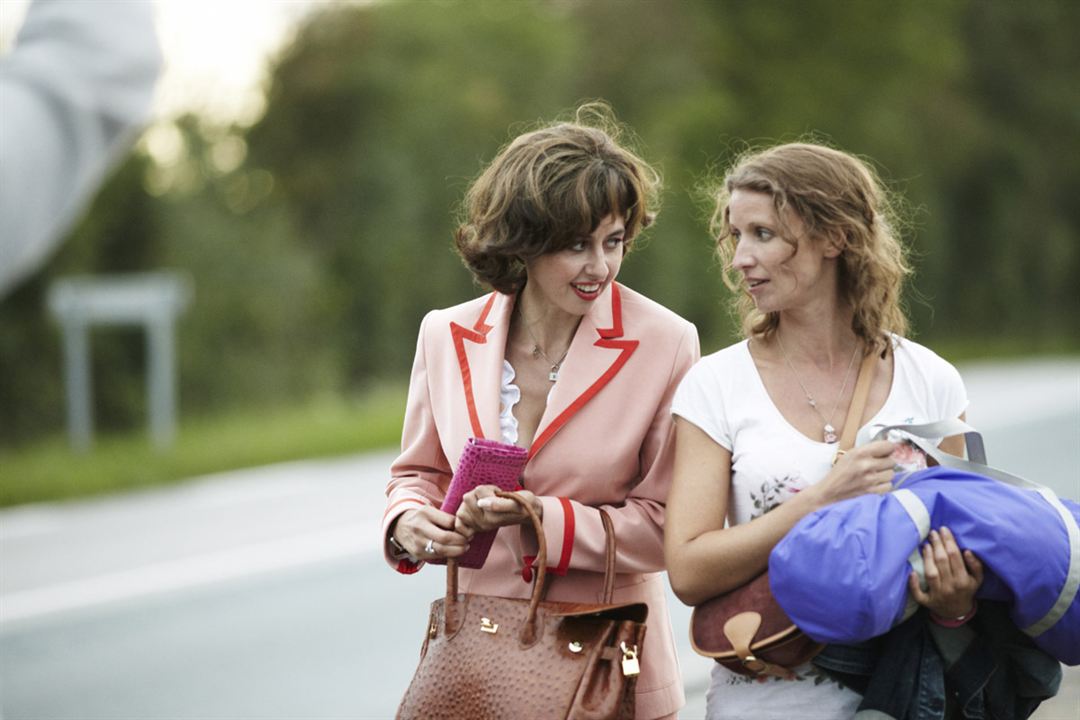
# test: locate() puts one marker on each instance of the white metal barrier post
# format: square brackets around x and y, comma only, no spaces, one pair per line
[150,300]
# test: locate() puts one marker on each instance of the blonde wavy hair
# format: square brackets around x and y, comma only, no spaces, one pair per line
[835,195]
[549,187]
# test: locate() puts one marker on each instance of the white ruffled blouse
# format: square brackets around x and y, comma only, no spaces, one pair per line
[509,396]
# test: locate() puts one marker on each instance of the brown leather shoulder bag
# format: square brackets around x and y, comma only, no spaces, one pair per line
[514,658]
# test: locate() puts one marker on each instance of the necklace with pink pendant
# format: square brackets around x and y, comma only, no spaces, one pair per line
[828,431]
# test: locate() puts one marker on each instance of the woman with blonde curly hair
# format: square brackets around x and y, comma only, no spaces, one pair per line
[562,360]
[811,251]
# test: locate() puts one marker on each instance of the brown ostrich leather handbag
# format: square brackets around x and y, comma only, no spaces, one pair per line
[746,630]
[490,658]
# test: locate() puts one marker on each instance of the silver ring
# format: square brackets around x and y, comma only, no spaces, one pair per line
[430,547]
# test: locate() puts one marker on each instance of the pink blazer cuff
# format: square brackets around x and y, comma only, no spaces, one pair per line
[559,526]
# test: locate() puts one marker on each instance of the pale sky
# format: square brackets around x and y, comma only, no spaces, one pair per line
[215,51]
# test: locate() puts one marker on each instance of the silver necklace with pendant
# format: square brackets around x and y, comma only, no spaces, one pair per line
[538,352]
[828,431]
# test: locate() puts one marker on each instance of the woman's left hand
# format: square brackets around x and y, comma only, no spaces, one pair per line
[952,577]
[481,510]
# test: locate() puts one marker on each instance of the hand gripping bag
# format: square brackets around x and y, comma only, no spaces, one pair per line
[841,573]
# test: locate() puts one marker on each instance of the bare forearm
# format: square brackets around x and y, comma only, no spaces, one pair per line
[720,560]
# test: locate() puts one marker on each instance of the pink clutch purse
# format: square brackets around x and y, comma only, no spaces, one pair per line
[483,462]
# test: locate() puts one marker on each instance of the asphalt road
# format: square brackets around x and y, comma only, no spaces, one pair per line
[261,593]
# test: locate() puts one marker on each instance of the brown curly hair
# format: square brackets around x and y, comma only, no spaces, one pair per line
[548,188]
[835,194]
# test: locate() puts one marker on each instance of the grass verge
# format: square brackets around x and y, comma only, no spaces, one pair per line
[50,470]
[961,349]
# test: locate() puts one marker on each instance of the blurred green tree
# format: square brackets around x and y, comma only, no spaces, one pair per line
[318,237]
[1005,258]
[377,118]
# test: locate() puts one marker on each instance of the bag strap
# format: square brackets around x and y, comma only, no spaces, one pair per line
[921,436]
[609,559]
[858,405]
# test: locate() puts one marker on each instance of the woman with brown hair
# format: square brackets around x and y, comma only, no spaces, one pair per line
[809,245]
[562,360]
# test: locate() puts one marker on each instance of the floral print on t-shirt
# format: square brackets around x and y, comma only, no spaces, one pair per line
[773,492]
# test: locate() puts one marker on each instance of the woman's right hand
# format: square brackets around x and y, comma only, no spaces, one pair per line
[415,528]
[866,469]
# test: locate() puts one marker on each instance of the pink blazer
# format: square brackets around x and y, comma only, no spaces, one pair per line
[605,439]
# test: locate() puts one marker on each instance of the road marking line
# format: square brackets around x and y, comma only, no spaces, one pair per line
[174,575]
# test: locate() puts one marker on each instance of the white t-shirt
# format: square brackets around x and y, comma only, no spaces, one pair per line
[724,396]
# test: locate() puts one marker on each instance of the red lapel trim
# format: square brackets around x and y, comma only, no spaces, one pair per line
[606,341]
[478,334]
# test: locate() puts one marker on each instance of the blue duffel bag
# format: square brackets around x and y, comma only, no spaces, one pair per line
[841,574]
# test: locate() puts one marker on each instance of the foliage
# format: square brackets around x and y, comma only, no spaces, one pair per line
[49,470]
[318,237]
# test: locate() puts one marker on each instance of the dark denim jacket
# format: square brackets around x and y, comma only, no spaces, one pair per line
[986,670]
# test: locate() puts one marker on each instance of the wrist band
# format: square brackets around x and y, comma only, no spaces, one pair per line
[956,621]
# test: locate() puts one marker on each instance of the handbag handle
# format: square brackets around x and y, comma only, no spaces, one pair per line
[529,630]
[609,556]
